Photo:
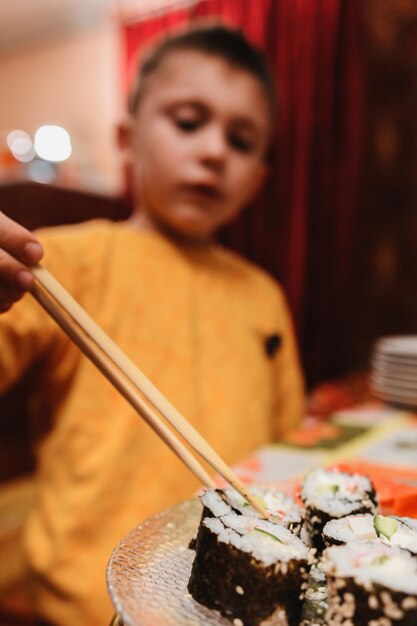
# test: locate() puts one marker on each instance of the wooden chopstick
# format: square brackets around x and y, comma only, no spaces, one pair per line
[53,297]
[111,373]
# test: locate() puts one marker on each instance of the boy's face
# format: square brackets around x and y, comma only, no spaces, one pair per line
[198,144]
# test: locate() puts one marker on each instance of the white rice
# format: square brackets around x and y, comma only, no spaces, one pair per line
[213,500]
[336,493]
[370,562]
[274,501]
[351,528]
[248,534]
[361,528]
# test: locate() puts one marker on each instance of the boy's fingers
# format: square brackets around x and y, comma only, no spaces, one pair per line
[18,247]
[33,252]
[14,276]
[9,296]
[18,241]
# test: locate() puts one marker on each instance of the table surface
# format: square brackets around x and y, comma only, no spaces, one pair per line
[369,438]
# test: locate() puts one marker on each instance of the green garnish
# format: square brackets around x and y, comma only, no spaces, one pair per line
[380,560]
[386,526]
[259,499]
[265,532]
[329,489]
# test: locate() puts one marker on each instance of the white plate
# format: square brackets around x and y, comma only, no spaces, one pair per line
[403,361]
[403,346]
[395,384]
[395,372]
[396,398]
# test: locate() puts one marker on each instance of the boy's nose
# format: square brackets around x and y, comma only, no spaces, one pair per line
[213,148]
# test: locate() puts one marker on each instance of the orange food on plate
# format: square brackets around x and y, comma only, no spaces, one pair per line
[396,487]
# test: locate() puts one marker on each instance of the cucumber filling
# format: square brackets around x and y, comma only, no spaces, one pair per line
[265,532]
[386,526]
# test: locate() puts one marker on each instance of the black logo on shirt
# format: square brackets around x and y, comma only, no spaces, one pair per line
[272,344]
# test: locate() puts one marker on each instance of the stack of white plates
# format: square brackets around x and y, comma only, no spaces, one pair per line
[394,370]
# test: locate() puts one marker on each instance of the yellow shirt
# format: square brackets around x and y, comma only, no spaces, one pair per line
[196,322]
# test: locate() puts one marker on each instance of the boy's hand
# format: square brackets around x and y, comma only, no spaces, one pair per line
[18,248]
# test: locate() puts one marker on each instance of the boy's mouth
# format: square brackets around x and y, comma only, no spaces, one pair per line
[203,190]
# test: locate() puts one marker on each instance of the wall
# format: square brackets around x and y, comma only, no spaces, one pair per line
[73,81]
[386,251]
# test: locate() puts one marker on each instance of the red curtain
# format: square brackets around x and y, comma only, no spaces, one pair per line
[250,16]
[136,36]
[302,229]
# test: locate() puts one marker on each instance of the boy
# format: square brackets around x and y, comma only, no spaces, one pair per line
[197,319]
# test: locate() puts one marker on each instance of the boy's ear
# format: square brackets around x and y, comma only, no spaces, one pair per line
[124,135]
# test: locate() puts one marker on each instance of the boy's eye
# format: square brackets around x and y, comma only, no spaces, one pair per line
[187,124]
[241,143]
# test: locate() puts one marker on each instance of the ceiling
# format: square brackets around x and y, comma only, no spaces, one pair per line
[27,21]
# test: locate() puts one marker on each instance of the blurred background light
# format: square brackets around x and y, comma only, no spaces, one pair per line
[21,146]
[42,171]
[53,143]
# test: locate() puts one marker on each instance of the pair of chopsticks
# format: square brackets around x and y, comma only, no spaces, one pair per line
[131,382]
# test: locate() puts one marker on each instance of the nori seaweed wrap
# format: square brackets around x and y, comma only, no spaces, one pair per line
[330,494]
[247,568]
[370,584]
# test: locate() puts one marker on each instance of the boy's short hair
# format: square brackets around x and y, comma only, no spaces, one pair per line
[217,40]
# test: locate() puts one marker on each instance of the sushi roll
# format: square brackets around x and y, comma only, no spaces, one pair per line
[215,503]
[330,494]
[370,584]
[248,568]
[282,509]
[393,531]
